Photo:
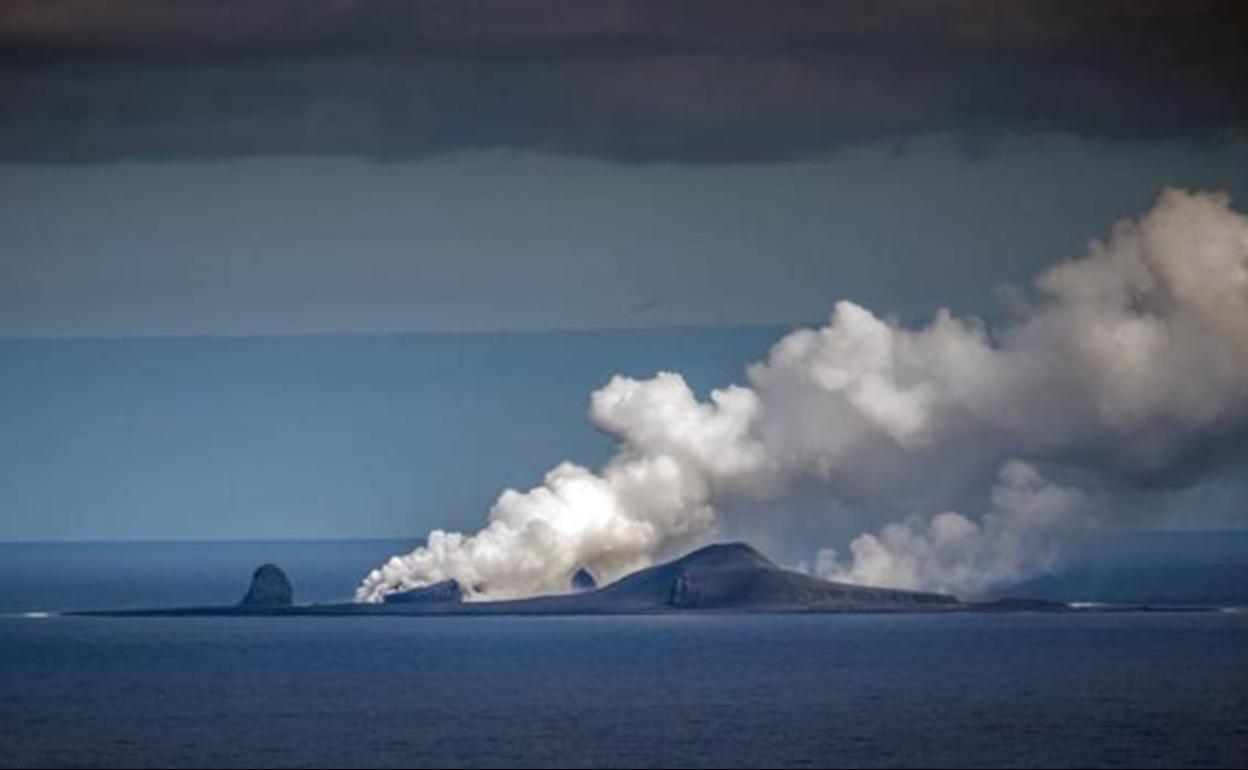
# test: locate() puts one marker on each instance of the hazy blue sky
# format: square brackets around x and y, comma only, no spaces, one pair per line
[350,436]
[389,437]
[309,436]
[361,168]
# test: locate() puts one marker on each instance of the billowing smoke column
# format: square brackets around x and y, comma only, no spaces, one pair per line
[655,494]
[1022,534]
[1128,362]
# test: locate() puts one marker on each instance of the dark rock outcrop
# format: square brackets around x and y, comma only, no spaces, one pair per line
[734,576]
[583,580]
[446,592]
[269,588]
[1019,605]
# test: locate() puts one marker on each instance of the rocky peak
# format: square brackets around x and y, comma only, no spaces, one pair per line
[269,588]
[583,580]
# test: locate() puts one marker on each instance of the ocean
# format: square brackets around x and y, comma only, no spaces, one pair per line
[1155,689]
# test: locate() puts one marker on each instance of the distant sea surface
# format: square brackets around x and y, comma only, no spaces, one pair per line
[39,577]
[1022,690]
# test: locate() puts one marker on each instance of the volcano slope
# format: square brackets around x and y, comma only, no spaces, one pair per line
[726,577]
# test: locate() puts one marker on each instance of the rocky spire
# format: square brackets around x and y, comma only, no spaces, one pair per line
[269,588]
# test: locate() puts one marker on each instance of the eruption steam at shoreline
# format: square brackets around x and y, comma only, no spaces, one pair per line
[1129,362]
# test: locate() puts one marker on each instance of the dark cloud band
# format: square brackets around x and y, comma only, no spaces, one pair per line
[718,81]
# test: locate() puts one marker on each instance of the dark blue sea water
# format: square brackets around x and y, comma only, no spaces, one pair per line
[37,577]
[1020,690]
[1154,690]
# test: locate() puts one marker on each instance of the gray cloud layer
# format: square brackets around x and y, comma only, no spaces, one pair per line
[688,81]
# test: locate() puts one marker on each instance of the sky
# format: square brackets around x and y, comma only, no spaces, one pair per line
[305,243]
[493,240]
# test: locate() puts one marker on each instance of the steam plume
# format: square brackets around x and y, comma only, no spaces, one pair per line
[1130,362]
[1021,535]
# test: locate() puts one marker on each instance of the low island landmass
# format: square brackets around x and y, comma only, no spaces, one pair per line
[725,577]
